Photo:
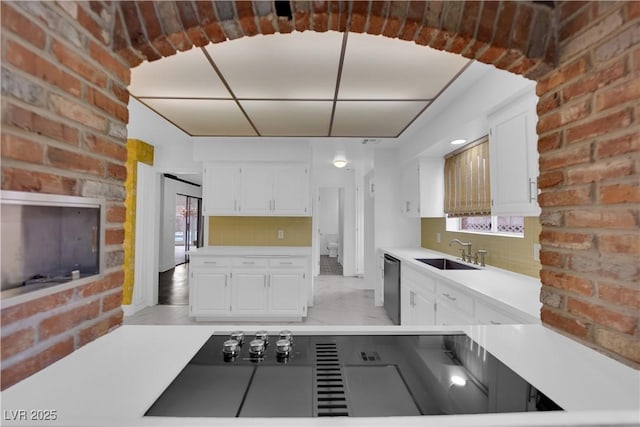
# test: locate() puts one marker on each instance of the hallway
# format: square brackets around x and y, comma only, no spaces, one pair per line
[337,301]
[173,286]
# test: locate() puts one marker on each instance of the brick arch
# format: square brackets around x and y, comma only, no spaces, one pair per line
[514,36]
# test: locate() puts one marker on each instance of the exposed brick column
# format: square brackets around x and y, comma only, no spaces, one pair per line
[589,176]
[64,115]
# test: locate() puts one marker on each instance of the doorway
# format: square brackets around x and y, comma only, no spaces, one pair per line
[331,230]
[188,232]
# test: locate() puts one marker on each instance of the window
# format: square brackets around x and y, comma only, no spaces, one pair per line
[467,200]
[503,225]
[466,181]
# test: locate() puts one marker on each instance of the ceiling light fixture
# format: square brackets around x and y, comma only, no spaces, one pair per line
[339,161]
[458,381]
[458,141]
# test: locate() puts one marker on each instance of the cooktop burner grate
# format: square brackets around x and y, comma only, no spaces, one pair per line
[328,381]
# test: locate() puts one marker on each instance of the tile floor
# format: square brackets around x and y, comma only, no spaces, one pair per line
[338,300]
[330,266]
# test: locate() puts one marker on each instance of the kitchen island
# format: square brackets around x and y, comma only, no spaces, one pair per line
[115,379]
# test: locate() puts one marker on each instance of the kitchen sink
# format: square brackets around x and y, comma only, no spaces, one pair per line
[445,264]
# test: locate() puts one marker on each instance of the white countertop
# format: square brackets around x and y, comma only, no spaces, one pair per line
[113,380]
[515,290]
[252,250]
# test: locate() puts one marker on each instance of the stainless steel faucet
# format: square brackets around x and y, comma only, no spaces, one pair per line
[465,245]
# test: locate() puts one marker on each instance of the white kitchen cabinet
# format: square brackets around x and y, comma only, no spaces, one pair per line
[514,158]
[249,292]
[453,305]
[281,190]
[410,190]
[251,287]
[417,298]
[416,309]
[447,314]
[291,190]
[486,314]
[220,189]
[431,187]
[209,292]
[284,292]
[257,190]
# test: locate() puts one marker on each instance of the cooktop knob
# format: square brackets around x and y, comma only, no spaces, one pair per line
[231,348]
[283,347]
[256,348]
[286,335]
[264,336]
[238,336]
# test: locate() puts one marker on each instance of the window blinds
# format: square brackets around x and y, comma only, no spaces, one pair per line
[466,181]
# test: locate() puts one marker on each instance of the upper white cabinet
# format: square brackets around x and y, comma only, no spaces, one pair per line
[220,190]
[291,190]
[410,190]
[431,187]
[256,189]
[514,158]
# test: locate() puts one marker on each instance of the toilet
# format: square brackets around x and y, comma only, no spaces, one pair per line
[332,245]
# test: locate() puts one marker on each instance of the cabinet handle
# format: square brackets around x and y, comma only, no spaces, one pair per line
[286,263]
[211,262]
[493,322]
[248,262]
[532,193]
[450,297]
[235,205]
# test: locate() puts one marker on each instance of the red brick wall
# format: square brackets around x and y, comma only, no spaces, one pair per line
[589,147]
[64,115]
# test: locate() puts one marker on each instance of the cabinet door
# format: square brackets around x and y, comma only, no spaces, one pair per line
[291,190]
[424,312]
[514,159]
[448,315]
[283,290]
[249,292]
[406,305]
[256,184]
[209,293]
[410,190]
[220,190]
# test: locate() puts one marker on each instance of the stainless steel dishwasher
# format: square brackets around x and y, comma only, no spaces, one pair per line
[392,288]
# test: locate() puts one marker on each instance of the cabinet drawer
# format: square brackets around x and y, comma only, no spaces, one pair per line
[421,282]
[288,262]
[209,262]
[455,298]
[487,315]
[249,262]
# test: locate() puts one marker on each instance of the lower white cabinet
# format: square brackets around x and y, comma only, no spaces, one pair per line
[249,292]
[425,300]
[209,292]
[416,309]
[248,288]
[417,298]
[284,292]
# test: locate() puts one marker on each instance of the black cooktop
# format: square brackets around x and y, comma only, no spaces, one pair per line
[280,375]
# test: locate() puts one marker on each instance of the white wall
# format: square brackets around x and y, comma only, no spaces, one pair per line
[171,187]
[327,216]
[371,275]
[341,226]
[173,149]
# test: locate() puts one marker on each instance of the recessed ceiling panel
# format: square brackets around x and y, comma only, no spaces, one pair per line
[290,118]
[296,65]
[183,75]
[374,118]
[377,67]
[203,117]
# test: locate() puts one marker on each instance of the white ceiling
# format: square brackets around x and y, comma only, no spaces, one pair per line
[297,85]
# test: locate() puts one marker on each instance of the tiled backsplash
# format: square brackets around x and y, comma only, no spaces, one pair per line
[511,253]
[259,231]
